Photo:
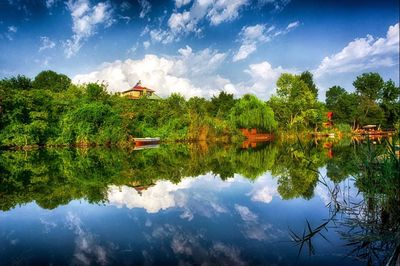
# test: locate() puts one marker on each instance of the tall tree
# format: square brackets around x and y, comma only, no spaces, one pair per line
[307,77]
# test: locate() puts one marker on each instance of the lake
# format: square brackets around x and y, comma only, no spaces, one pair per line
[303,203]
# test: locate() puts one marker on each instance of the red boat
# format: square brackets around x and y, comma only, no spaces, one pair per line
[146,141]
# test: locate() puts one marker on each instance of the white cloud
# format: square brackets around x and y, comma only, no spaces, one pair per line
[244,51]
[12,29]
[85,20]
[251,36]
[189,73]
[145,8]
[180,3]
[50,3]
[46,43]
[262,80]
[293,25]
[146,44]
[214,12]
[265,188]
[87,251]
[246,214]
[191,195]
[154,199]
[362,54]
[224,10]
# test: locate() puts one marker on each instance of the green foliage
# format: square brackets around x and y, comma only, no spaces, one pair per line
[250,112]
[307,77]
[374,102]
[295,104]
[50,80]
[222,104]
[369,85]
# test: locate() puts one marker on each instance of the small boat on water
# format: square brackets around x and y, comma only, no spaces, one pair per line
[146,141]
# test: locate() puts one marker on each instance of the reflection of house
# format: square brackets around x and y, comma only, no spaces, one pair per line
[139,91]
[139,187]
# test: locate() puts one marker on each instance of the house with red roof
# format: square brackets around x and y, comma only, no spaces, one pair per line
[139,91]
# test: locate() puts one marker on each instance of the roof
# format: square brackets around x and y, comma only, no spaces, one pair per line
[138,87]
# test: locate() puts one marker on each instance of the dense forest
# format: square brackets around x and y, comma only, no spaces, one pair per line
[50,110]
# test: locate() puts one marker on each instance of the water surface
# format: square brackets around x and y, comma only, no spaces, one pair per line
[182,204]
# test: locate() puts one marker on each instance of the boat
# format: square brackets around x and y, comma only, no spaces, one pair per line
[146,141]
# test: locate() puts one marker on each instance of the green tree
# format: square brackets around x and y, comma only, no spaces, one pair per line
[222,104]
[250,112]
[295,104]
[50,80]
[307,77]
[390,102]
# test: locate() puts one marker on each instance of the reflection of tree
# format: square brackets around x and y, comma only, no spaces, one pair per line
[296,168]
[342,165]
[371,226]
[54,177]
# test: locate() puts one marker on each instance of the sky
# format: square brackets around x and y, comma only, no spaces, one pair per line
[200,47]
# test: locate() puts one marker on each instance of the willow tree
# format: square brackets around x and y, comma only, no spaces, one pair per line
[250,112]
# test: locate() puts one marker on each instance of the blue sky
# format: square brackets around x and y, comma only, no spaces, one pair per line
[199,47]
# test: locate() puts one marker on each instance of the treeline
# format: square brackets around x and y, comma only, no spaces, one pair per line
[50,110]
[374,101]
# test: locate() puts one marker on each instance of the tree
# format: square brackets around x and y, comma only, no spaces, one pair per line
[222,104]
[295,105]
[307,77]
[369,86]
[50,80]
[390,102]
[250,112]
[333,95]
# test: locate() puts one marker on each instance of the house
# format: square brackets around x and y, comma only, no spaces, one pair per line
[139,91]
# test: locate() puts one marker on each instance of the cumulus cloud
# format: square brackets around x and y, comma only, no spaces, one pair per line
[362,54]
[265,188]
[153,199]
[189,73]
[262,80]
[251,36]
[192,195]
[145,8]
[46,43]
[85,20]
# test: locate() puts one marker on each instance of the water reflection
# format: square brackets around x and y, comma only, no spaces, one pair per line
[188,204]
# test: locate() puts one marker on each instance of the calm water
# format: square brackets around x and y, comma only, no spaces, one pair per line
[185,204]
